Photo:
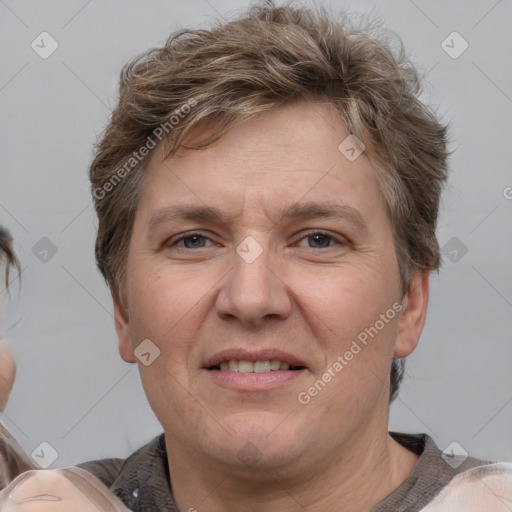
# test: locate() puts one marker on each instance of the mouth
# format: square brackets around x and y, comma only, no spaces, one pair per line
[244,370]
[245,366]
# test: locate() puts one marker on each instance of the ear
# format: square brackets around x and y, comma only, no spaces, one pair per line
[413,315]
[122,323]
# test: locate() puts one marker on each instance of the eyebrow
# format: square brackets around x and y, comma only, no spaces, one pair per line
[296,211]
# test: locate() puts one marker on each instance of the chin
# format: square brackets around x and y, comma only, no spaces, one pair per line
[251,461]
[259,442]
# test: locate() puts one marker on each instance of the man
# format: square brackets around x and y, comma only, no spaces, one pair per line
[267,194]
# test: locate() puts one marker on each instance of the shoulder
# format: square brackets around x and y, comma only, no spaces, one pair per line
[141,479]
[109,470]
[487,487]
[105,470]
[434,472]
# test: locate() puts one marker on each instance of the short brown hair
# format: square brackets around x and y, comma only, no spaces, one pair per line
[269,57]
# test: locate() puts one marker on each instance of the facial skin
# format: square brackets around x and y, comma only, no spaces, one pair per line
[306,296]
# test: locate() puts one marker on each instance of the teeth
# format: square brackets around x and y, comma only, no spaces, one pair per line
[275,364]
[261,366]
[243,366]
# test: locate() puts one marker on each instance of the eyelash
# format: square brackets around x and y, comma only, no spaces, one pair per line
[310,234]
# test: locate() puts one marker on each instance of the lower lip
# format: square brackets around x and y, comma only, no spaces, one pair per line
[254,381]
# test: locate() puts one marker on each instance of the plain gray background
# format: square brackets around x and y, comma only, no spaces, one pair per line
[72,389]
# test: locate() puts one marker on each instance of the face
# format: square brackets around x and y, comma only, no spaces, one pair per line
[268,250]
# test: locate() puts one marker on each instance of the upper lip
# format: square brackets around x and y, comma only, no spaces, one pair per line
[253,355]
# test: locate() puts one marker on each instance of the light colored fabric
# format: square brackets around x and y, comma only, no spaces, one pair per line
[485,488]
[61,490]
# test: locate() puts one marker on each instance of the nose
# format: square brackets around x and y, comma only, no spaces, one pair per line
[253,292]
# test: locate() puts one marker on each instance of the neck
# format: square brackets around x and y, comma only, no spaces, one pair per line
[357,478]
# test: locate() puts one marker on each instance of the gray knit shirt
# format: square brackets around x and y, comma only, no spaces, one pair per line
[142,481]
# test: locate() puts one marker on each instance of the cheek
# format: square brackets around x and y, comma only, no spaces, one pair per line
[352,316]
[345,301]
[165,312]
[159,303]
[169,308]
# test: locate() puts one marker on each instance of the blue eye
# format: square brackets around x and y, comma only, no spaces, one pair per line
[315,240]
[321,239]
[192,241]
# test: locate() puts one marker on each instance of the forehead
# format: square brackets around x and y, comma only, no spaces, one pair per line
[285,157]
